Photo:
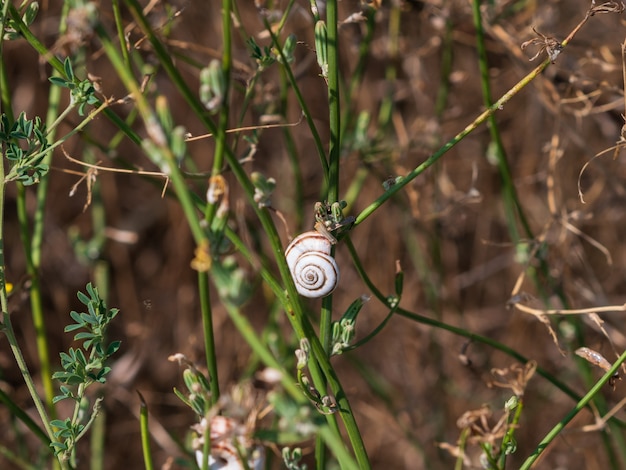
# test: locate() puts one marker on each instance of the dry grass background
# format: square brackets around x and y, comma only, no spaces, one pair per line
[457,206]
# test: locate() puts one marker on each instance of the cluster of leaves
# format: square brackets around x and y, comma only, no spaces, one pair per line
[30,10]
[84,366]
[25,144]
[82,92]
[266,56]
[198,388]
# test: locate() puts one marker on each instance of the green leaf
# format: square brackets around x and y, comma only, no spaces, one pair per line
[83,335]
[113,348]
[31,13]
[93,292]
[59,446]
[67,66]
[399,283]
[70,328]
[59,81]
[83,298]
[59,423]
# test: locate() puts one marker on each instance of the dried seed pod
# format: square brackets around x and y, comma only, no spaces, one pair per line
[594,357]
[599,360]
[313,269]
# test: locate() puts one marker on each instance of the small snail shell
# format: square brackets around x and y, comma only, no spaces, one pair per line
[314,271]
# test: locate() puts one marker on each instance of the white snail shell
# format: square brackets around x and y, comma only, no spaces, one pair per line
[313,269]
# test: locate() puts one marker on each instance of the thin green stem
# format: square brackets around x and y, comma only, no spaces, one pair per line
[329,434]
[513,208]
[509,438]
[18,462]
[119,27]
[156,132]
[511,201]
[33,243]
[446,69]
[97,442]
[356,76]
[499,104]
[209,335]
[305,109]
[286,13]
[582,403]
[391,72]
[451,328]
[399,185]
[20,414]
[7,328]
[292,153]
[334,153]
[145,434]
[334,105]
[220,135]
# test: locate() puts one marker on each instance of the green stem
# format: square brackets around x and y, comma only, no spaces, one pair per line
[369,210]
[155,131]
[209,335]
[18,462]
[284,298]
[220,135]
[7,326]
[499,104]
[305,109]
[509,437]
[356,76]
[145,434]
[511,201]
[119,27]
[97,442]
[582,403]
[36,303]
[292,153]
[451,328]
[334,107]
[334,153]
[20,414]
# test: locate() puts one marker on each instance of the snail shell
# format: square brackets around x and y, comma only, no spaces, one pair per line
[313,269]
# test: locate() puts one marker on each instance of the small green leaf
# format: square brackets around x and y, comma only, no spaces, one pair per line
[31,13]
[59,81]
[59,446]
[67,66]
[399,282]
[113,348]
[83,298]
[59,423]
[70,328]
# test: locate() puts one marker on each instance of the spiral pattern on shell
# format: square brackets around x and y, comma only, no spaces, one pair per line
[314,271]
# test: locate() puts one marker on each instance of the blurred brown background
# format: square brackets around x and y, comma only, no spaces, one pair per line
[447,228]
